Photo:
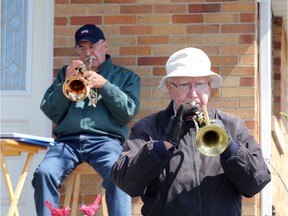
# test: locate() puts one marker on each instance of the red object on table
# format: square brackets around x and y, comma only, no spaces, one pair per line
[58,212]
[91,209]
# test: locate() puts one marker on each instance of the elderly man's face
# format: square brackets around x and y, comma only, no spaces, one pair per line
[97,50]
[188,89]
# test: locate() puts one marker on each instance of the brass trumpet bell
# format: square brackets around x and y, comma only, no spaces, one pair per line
[76,88]
[211,140]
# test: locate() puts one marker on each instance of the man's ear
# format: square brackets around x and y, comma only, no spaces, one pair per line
[105,44]
[168,85]
[210,86]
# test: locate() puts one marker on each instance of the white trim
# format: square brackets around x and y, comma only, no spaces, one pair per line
[48,48]
[29,53]
[265,68]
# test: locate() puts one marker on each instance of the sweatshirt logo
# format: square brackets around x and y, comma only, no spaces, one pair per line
[87,123]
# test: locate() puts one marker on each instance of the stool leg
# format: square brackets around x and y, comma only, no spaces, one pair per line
[76,194]
[69,190]
[103,202]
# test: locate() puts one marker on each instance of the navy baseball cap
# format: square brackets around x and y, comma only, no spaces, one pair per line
[88,32]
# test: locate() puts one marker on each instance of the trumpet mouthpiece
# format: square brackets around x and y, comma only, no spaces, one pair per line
[193,103]
[91,59]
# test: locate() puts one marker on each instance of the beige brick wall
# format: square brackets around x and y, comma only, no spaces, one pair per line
[280,94]
[143,33]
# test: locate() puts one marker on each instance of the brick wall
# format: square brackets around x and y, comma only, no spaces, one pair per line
[280,94]
[280,68]
[142,34]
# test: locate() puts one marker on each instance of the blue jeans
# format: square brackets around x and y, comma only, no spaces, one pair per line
[99,151]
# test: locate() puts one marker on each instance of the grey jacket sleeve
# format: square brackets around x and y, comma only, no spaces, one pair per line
[138,165]
[247,168]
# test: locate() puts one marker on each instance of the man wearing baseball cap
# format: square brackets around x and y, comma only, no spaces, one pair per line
[188,160]
[90,33]
[91,129]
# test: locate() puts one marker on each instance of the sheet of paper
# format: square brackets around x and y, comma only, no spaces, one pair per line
[27,138]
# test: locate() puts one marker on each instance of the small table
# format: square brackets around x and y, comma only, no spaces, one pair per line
[10,147]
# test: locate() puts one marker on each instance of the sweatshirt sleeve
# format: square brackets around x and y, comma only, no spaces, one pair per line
[123,103]
[54,103]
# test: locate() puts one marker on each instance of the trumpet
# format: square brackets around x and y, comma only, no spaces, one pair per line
[211,140]
[76,88]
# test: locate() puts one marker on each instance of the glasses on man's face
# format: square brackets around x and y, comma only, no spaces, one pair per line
[186,87]
[92,48]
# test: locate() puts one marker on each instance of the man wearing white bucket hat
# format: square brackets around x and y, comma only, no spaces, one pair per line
[188,160]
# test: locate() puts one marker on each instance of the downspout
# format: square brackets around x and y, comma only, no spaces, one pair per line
[265,71]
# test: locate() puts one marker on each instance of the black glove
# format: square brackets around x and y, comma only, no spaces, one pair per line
[174,129]
[188,115]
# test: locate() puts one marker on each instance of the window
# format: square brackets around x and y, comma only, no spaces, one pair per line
[15,47]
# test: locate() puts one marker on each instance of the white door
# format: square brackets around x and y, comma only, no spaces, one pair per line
[20,110]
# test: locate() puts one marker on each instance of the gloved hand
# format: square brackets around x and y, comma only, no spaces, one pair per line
[174,129]
[188,115]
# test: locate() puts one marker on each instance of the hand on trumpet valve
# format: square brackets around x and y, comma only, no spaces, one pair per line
[94,79]
[189,114]
[73,68]
[189,117]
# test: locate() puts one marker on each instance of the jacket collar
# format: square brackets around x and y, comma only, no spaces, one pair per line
[105,66]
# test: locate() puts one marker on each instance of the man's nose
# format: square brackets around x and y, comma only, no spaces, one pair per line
[193,91]
[88,51]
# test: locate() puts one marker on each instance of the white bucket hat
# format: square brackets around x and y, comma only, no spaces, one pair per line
[190,62]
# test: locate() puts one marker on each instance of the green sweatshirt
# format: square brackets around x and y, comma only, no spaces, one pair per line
[118,102]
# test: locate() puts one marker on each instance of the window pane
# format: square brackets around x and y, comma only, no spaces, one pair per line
[14,47]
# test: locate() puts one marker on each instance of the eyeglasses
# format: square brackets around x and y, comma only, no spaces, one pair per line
[92,48]
[186,87]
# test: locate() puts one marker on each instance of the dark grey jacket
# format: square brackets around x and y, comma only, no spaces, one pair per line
[185,182]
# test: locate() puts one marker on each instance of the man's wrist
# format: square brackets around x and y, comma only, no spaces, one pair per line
[161,150]
[230,150]
[167,145]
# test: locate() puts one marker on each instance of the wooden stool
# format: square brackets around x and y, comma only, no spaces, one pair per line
[73,187]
